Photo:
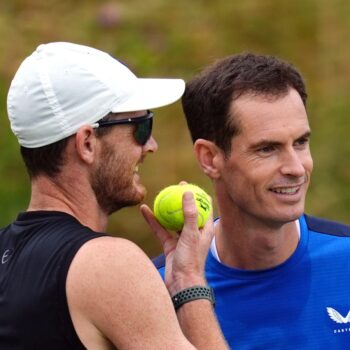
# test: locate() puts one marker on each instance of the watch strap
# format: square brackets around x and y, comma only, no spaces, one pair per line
[193,293]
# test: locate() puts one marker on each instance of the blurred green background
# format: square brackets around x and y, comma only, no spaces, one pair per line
[167,38]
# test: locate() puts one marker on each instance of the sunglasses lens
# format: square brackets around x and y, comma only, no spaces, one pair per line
[143,131]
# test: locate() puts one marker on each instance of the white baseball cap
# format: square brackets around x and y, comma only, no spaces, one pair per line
[62,86]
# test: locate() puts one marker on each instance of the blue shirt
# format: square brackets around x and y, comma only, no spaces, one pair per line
[303,303]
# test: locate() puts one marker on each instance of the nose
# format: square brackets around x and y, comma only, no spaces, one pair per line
[151,145]
[292,164]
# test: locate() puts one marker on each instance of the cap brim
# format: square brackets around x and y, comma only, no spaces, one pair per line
[151,93]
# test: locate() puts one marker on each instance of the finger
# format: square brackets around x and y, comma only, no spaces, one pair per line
[183,183]
[165,238]
[156,228]
[190,211]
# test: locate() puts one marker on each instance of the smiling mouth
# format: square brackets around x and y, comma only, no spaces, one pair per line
[286,190]
[136,169]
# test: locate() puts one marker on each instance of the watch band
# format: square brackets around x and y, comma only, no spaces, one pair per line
[193,293]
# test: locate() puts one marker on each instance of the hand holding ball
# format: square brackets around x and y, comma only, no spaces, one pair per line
[168,206]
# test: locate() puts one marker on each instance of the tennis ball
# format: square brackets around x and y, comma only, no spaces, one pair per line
[168,206]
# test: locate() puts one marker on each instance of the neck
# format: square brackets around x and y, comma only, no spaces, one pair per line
[70,195]
[254,245]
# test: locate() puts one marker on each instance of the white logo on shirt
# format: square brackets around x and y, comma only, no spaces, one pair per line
[6,256]
[337,317]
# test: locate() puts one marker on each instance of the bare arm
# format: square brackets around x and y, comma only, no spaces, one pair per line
[185,261]
[118,300]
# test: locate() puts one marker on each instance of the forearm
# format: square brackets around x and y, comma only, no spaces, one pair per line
[199,324]
[185,261]
[196,317]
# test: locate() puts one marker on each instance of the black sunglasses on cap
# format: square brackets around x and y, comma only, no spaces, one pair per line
[143,128]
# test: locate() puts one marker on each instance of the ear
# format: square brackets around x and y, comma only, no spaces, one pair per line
[209,157]
[86,144]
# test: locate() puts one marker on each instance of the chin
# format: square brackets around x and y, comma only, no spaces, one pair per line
[289,217]
[285,215]
[140,191]
[135,195]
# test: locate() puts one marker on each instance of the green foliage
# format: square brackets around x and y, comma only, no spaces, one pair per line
[176,39]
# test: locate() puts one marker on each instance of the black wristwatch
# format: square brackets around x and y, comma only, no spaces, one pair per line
[193,293]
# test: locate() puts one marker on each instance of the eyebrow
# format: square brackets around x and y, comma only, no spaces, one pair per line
[266,142]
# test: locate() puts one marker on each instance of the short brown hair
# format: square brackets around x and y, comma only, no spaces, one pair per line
[46,160]
[208,96]
[49,159]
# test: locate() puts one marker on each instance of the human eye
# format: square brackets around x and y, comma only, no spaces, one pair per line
[266,149]
[302,142]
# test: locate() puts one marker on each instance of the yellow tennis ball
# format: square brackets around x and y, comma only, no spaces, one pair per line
[168,206]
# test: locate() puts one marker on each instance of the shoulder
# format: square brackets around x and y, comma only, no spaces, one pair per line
[326,226]
[109,267]
[103,254]
[111,287]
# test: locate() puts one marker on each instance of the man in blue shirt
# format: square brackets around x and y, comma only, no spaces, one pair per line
[281,278]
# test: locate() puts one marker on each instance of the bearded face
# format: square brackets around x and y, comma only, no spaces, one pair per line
[115,180]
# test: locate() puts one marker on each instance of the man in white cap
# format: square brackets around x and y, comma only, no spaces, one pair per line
[84,125]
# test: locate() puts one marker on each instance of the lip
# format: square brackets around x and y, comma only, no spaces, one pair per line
[291,193]
[286,190]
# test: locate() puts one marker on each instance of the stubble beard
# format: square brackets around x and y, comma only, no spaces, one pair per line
[113,183]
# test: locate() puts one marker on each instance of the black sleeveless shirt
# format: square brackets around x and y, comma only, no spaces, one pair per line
[35,254]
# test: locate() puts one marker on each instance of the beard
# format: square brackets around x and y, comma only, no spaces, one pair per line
[113,182]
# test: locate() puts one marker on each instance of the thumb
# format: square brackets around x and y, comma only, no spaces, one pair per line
[190,211]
